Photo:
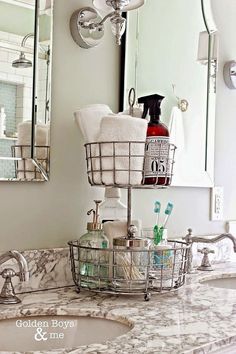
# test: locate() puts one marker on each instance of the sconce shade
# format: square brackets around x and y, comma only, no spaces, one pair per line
[203,43]
[102,6]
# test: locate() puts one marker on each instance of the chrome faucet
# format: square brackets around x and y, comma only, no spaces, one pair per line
[191,239]
[8,295]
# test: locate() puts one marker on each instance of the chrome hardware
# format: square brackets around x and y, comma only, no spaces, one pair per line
[7,295]
[87,26]
[131,100]
[205,265]
[198,239]
[183,104]
[188,240]
[132,230]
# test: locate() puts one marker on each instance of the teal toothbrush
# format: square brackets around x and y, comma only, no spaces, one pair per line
[157,210]
[168,212]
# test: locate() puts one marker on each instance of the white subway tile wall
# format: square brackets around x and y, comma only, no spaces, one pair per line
[8,100]
[7,168]
[16,95]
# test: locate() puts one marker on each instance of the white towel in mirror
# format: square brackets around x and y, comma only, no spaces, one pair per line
[176,129]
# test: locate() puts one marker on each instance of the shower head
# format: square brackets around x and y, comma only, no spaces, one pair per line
[22,62]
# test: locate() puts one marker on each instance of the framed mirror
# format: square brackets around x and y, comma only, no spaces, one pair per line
[25,89]
[171,49]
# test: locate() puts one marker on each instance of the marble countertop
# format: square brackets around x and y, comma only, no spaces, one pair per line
[194,319]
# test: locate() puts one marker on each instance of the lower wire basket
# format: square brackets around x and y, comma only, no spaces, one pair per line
[127,271]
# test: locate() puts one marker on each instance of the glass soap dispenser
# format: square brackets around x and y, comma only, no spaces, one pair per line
[94,262]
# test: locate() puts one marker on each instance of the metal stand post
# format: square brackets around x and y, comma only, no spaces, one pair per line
[128,208]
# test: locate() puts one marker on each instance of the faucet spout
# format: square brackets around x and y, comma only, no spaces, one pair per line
[21,261]
[214,239]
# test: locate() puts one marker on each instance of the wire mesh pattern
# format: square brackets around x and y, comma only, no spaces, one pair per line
[124,164]
[25,169]
[129,271]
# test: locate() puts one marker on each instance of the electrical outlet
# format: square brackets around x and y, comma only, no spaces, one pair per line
[217,204]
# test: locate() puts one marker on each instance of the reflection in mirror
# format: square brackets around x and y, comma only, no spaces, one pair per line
[171,50]
[25,84]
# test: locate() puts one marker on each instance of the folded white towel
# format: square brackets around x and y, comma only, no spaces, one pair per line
[176,128]
[117,159]
[89,120]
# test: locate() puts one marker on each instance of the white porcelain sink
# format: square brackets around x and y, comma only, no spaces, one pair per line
[56,332]
[224,283]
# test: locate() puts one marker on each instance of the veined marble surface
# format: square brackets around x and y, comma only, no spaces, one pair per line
[195,319]
[48,269]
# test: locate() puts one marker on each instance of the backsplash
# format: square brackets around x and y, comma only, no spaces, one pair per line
[48,269]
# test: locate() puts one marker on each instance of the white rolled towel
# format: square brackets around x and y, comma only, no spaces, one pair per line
[89,120]
[120,163]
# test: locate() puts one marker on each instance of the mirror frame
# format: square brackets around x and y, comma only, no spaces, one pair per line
[32,158]
[205,179]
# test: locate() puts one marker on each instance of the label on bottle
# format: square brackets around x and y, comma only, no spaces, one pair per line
[156,157]
[163,259]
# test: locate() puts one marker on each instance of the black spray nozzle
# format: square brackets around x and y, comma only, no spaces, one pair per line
[151,103]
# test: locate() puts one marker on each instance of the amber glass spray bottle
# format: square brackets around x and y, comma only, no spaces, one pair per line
[156,169]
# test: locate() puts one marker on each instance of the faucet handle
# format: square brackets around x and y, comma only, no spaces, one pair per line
[205,265]
[8,296]
[8,273]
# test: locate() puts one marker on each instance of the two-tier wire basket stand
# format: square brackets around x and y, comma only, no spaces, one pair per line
[129,270]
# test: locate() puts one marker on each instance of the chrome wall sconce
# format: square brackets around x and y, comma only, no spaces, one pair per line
[87,25]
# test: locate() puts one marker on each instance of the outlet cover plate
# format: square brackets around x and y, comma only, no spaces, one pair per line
[217,204]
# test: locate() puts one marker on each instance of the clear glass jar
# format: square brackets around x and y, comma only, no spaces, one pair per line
[94,262]
[130,262]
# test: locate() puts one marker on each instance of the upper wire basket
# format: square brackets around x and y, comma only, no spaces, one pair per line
[129,164]
[129,271]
